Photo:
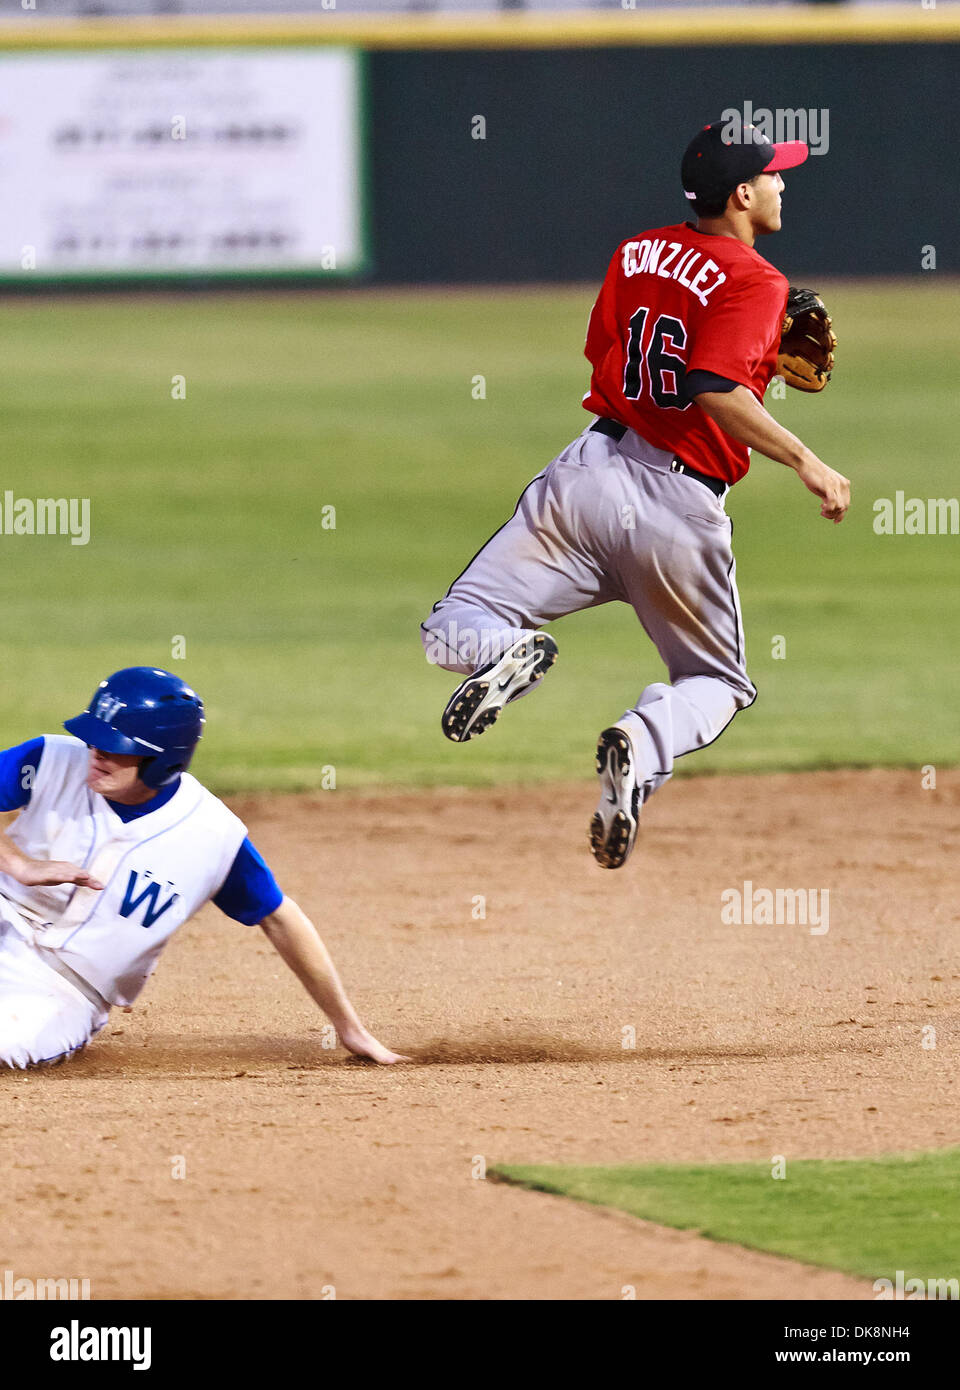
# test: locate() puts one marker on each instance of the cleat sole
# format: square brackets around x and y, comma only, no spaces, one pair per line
[478,702]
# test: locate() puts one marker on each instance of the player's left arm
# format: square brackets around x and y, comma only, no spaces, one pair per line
[298,943]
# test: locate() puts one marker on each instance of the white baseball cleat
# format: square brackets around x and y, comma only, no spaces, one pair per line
[477,702]
[613,829]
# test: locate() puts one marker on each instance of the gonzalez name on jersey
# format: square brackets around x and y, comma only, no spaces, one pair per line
[690,302]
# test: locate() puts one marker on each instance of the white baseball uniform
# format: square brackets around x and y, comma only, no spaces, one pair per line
[68,953]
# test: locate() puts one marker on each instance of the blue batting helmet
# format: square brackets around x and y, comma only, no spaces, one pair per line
[147,711]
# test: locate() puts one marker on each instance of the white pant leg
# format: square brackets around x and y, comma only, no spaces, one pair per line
[43,1017]
[536,568]
[671,720]
[608,520]
[677,569]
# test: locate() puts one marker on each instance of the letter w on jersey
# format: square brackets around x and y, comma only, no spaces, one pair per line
[149,895]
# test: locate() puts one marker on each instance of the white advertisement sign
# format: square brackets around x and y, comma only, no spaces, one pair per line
[180,162]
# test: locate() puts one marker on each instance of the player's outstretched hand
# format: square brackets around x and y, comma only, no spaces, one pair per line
[35,872]
[364,1044]
[826,483]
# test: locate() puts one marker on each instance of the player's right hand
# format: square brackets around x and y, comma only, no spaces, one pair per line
[826,483]
[36,872]
[363,1044]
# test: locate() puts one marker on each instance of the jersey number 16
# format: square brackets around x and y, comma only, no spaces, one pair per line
[665,372]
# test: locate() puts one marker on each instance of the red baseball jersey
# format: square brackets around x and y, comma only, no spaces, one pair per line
[676,300]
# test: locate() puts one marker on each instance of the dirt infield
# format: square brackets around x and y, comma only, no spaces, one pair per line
[474,929]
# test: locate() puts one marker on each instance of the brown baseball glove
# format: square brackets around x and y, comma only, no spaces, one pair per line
[807,342]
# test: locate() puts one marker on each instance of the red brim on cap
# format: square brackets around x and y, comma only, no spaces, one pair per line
[787,156]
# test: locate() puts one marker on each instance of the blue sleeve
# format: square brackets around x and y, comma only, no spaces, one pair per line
[250,892]
[18,771]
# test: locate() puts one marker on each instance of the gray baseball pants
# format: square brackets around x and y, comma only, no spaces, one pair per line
[608,521]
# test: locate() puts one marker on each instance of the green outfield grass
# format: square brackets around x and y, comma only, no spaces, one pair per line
[870,1217]
[206,524]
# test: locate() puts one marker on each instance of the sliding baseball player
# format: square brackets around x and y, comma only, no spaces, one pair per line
[115,846]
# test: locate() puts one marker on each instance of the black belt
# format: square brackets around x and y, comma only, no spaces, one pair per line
[615,430]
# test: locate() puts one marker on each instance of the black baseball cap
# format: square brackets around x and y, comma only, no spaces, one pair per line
[723,154]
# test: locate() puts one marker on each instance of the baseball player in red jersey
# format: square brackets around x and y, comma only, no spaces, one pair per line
[683,342]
